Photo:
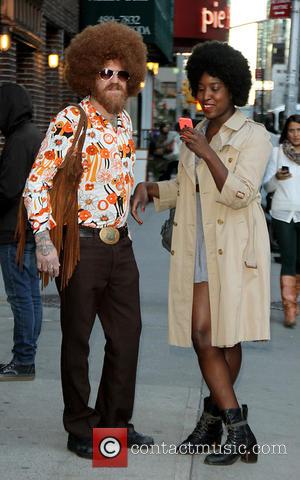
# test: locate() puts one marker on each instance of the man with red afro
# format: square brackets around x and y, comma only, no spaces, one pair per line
[77,200]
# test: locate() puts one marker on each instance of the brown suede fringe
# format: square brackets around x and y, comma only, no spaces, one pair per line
[64,203]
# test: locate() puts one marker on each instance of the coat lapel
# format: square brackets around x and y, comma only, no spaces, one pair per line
[188,162]
[222,138]
[188,157]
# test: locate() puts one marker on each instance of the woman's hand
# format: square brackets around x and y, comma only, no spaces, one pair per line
[140,198]
[196,142]
[283,174]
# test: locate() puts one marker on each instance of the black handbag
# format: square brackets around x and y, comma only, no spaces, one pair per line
[167,230]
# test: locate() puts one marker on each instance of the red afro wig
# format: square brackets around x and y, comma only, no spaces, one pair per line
[90,49]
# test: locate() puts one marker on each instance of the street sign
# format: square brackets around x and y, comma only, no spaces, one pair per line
[259,73]
[201,20]
[267,85]
[280,9]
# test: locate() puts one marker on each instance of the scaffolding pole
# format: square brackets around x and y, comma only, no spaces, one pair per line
[293,66]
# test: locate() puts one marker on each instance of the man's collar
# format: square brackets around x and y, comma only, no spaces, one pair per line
[93,112]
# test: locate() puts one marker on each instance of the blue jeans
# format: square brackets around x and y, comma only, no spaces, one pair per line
[23,293]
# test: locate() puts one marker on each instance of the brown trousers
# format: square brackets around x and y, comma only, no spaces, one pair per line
[105,282]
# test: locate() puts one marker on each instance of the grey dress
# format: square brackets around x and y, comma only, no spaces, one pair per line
[200,274]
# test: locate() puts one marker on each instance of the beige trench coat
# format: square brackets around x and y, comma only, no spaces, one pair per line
[236,237]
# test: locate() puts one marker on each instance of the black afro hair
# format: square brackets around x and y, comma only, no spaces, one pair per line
[220,60]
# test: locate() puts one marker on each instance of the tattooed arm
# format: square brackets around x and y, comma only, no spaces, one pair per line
[46,254]
[50,157]
[39,183]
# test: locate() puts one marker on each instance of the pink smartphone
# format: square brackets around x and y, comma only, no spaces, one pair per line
[185,122]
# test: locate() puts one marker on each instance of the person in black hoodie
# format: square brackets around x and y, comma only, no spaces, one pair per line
[22,142]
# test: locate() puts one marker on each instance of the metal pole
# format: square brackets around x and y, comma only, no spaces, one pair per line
[180,76]
[293,67]
[262,106]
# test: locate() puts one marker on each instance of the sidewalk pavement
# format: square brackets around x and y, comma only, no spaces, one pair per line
[169,392]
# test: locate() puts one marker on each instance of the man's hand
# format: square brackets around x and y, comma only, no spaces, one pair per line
[46,254]
[140,199]
[283,174]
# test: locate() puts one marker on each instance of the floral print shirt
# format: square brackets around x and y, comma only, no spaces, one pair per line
[108,157]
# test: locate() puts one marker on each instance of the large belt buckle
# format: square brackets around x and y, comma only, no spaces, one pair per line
[109,235]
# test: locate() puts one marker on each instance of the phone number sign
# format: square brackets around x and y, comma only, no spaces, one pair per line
[134,21]
[137,14]
[153,19]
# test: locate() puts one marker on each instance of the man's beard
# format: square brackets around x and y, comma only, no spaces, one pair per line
[112,103]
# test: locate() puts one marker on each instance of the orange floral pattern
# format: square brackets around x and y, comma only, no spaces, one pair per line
[108,158]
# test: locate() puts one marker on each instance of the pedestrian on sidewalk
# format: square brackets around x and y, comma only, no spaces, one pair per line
[219,291]
[77,198]
[281,179]
[166,152]
[22,141]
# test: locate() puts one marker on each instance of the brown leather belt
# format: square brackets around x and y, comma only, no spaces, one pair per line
[108,235]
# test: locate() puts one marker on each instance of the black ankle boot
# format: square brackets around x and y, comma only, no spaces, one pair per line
[240,443]
[207,432]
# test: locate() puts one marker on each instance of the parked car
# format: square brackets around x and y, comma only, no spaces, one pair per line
[278,116]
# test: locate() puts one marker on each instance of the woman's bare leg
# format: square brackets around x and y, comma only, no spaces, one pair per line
[233,357]
[212,361]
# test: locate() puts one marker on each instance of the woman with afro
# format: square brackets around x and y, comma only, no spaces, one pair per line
[219,274]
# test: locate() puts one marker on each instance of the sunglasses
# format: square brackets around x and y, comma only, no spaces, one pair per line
[107,74]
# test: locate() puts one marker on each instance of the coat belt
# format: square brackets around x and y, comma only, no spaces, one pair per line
[250,255]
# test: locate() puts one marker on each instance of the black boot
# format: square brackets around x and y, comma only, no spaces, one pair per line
[207,432]
[240,443]
[136,438]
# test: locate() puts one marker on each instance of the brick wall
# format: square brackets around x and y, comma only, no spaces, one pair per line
[8,64]
[27,65]
[31,73]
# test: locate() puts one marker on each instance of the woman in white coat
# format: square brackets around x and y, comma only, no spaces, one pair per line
[282,177]
[219,272]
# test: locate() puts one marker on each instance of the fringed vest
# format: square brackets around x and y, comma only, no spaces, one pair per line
[64,203]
